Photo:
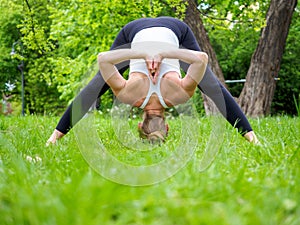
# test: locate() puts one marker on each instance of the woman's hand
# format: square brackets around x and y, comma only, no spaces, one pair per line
[153,65]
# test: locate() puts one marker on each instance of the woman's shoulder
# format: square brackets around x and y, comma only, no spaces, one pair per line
[137,82]
[135,90]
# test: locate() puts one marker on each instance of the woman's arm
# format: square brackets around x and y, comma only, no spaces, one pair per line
[197,65]
[107,62]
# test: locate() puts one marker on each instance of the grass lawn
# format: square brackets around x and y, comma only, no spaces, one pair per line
[245,184]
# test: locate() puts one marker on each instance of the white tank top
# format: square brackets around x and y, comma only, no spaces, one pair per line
[154,40]
[154,88]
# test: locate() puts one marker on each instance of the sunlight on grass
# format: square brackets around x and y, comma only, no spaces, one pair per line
[246,184]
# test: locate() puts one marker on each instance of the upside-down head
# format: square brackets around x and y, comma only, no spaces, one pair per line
[153,128]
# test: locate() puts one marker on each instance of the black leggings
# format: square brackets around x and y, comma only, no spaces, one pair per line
[209,85]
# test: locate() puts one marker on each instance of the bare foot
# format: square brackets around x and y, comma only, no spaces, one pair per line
[54,137]
[251,137]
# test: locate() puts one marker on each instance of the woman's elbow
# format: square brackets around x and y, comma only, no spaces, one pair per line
[203,57]
[100,58]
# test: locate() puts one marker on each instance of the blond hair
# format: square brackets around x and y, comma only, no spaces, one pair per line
[153,128]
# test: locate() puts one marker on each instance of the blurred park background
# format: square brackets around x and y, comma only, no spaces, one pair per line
[49,47]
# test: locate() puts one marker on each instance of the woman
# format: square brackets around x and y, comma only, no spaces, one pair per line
[209,84]
[154,82]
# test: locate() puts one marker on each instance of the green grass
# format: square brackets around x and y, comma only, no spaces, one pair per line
[246,184]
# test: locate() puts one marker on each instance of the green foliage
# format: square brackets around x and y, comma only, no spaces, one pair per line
[297,104]
[10,15]
[234,48]
[233,28]
[42,96]
[87,28]
[61,40]
[222,14]
[26,29]
[245,185]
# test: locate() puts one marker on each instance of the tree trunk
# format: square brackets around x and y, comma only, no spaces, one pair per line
[258,92]
[193,19]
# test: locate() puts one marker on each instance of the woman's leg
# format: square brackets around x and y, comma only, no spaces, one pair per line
[85,99]
[224,101]
[82,103]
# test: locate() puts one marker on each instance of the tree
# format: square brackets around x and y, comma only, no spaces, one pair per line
[258,91]
[193,19]
[265,63]
[222,15]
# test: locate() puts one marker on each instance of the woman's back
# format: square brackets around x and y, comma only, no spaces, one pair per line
[137,87]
